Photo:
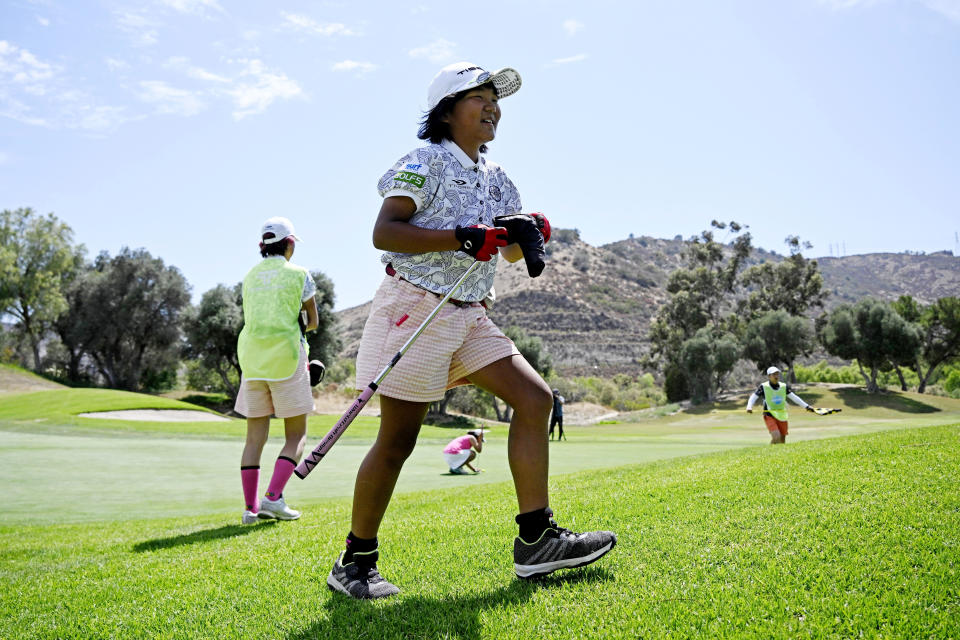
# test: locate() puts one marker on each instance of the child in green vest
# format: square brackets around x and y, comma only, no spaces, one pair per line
[774,397]
[273,359]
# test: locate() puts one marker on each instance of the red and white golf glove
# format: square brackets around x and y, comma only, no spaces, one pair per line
[481,241]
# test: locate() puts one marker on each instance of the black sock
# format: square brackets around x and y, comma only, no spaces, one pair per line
[534,523]
[363,546]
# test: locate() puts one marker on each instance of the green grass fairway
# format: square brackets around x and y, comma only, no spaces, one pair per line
[833,538]
[83,469]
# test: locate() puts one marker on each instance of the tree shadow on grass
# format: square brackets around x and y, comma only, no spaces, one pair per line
[721,405]
[454,616]
[204,535]
[860,399]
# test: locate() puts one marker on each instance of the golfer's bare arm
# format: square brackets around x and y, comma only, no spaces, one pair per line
[393,231]
[313,319]
[477,444]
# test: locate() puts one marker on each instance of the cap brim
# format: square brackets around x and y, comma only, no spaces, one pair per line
[507,81]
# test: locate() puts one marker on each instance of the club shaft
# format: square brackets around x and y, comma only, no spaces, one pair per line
[313,458]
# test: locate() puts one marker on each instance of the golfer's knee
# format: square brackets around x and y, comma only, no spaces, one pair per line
[537,403]
[396,452]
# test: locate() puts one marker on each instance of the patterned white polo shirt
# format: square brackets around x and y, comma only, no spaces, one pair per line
[449,190]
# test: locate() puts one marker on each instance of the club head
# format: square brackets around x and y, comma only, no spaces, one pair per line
[317,371]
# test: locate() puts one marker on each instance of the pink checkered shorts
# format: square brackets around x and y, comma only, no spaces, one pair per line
[458,342]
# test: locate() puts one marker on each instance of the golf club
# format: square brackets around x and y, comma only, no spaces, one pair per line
[825,412]
[312,459]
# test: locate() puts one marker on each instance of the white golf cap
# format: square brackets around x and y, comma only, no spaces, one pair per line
[461,76]
[772,370]
[280,228]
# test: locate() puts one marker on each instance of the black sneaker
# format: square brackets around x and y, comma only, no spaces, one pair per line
[360,580]
[560,548]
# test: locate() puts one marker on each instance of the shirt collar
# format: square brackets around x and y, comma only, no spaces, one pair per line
[458,153]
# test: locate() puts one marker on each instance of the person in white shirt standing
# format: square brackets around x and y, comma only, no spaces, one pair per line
[774,396]
[445,207]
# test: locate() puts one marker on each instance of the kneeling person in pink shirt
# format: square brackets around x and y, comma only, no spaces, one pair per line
[464,450]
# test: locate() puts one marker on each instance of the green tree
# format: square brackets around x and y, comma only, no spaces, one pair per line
[77,327]
[138,315]
[939,328]
[705,359]
[702,296]
[872,333]
[324,344]
[211,330]
[777,337]
[793,284]
[36,255]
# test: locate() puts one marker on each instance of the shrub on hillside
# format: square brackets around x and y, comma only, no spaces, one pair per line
[623,392]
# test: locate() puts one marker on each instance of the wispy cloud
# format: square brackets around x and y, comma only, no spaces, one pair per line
[438,51]
[43,21]
[4,158]
[950,9]
[171,100]
[572,26]
[309,25]
[115,64]
[182,64]
[258,88]
[196,7]
[580,57]
[37,93]
[21,70]
[353,65]
[141,28]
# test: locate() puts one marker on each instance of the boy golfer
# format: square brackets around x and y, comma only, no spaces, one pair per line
[774,396]
[439,215]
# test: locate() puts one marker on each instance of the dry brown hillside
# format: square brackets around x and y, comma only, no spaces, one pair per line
[593,305]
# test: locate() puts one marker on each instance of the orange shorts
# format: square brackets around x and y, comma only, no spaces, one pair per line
[459,341]
[775,425]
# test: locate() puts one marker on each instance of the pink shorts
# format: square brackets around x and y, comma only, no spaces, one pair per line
[459,341]
[283,398]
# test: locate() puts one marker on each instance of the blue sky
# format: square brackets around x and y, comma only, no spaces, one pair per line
[179,125]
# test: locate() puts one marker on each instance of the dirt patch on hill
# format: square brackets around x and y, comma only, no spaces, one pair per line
[334,402]
[586,413]
[12,381]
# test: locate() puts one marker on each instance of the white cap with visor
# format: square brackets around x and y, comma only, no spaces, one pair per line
[280,227]
[461,76]
[772,370]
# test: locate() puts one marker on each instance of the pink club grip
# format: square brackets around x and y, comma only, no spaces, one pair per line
[313,458]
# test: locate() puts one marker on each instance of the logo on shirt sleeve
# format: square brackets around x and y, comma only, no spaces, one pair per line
[410,177]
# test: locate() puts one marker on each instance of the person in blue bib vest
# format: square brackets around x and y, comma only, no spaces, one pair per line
[774,396]
[273,359]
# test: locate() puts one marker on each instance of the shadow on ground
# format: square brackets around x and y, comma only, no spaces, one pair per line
[860,399]
[453,616]
[854,398]
[204,535]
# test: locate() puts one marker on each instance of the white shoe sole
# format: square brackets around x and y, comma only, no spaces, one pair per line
[335,585]
[528,571]
[277,516]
